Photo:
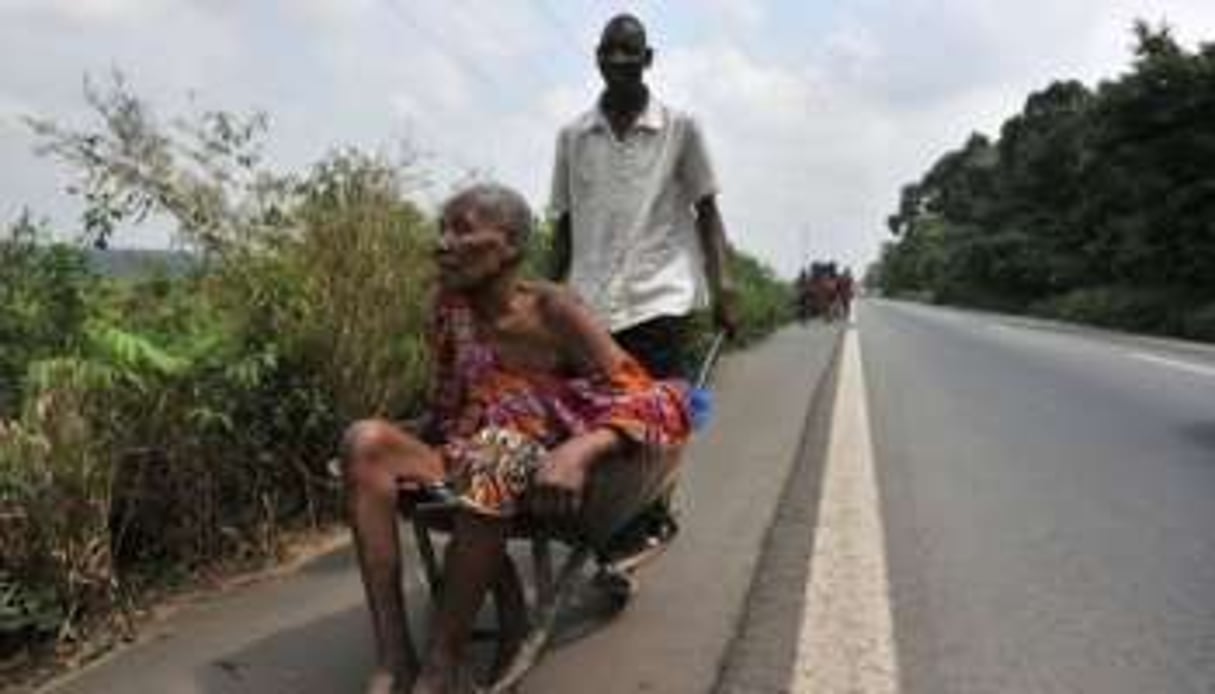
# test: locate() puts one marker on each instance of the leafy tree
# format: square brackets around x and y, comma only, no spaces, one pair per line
[43,291]
[203,172]
[1108,188]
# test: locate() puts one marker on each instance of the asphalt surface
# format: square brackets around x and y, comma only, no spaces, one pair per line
[1049,503]
[308,632]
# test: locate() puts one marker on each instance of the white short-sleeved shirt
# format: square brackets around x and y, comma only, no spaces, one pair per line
[635,253]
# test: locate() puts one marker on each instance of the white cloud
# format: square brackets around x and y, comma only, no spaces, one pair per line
[84,11]
[12,111]
[739,15]
[816,112]
[795,151]
[330,13]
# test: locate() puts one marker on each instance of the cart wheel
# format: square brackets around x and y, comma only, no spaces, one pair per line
[618,586]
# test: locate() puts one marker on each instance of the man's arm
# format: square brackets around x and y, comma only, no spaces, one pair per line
[715,248]
[696,172]
[560,203]
[561,248]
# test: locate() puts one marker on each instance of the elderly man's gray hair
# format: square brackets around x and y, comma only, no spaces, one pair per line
[498,204]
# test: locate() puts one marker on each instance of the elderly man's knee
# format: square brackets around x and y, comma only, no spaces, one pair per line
[362,437]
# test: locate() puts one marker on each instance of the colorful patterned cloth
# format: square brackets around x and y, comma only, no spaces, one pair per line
[497,421]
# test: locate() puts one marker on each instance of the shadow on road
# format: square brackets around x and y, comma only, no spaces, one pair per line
[331,654]
[334,653]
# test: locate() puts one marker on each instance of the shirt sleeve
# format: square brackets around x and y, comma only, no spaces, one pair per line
[695,167]
[559,197]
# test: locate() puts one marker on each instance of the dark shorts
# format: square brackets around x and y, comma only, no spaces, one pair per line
[660,344]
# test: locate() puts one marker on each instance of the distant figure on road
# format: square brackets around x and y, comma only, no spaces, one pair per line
[638,233]
[534,409]
[803,295]
[847,290]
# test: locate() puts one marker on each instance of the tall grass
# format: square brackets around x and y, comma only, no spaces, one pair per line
[191,420]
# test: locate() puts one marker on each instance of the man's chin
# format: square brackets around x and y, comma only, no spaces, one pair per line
[623,86]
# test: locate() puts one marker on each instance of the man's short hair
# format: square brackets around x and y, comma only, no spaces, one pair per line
[498,204]
[622,21]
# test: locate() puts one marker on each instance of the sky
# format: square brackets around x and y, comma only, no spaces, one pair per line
[815,112]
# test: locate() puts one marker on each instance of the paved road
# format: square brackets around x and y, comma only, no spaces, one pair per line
[1049,504]
[308,633]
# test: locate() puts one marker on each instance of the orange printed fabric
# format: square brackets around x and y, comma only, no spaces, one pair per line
[498,422]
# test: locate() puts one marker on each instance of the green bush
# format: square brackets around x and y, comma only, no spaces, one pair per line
[1199,323]
[191,418]
[765,302]
[43,290]
[55,493]
[1124,308]
[344,287]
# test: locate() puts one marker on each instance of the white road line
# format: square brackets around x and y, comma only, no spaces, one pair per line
[1191,367]
[846,642]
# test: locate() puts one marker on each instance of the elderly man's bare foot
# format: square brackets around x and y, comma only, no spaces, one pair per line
[453,680]
[383,682]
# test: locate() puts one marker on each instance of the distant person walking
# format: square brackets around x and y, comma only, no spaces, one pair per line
[847,290]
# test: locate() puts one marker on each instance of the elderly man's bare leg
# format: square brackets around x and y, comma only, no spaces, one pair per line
[377,461]
[512,615]
[476,555]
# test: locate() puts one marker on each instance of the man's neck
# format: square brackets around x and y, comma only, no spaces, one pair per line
[623,107]
[492,301]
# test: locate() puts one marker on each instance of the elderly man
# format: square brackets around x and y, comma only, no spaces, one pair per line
[535,410]
[638,232]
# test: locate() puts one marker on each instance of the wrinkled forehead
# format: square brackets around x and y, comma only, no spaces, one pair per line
[465,213]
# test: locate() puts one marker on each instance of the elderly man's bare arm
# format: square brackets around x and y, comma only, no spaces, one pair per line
[586,344]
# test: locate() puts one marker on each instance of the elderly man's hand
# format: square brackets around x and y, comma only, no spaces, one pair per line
[557,490]
[725,313]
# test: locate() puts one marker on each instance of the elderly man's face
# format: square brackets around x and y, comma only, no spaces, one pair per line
[471,250]
[623,55]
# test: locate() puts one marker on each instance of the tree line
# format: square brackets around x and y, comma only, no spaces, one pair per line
[1092,204]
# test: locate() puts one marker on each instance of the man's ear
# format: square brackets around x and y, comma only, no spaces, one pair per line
[649,57]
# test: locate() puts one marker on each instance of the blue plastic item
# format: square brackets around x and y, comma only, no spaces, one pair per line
[700,403]
[700,398]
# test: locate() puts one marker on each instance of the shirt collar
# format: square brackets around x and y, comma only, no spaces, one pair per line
[653,118]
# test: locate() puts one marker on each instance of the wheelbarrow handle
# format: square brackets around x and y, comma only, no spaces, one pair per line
[710,360]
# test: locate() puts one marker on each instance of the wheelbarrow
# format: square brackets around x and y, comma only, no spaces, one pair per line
[552,586]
